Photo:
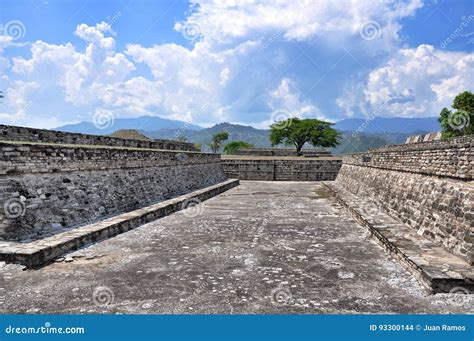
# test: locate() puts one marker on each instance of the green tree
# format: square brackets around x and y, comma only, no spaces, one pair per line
[217,140]
[296,132]
[232,147]
[461,121]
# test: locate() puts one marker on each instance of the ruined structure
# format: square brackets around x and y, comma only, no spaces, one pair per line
[428,186]
[281,164]
[52,182]
[62,191]
[281,152]
[424,137]
[281,168]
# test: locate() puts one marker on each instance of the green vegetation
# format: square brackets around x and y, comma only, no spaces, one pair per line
[297,132]
[232,147]
[217,140]
[461,121]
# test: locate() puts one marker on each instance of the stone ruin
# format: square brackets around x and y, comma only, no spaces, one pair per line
[57,188]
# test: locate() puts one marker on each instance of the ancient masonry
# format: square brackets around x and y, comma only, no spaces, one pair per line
[46,187]
[428,186]
[61,191]
[272,164]
[281,152]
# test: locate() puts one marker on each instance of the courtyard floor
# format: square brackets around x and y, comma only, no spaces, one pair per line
[262,247]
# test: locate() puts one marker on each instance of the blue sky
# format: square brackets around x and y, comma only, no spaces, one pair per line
[248,62]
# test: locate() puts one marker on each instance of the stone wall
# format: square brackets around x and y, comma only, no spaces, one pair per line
[282,170]
[452,158]
[13,133]
[428,186]
[280,152]
[45,188]
[424,137]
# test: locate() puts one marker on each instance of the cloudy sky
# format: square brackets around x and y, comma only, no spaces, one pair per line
[244,61]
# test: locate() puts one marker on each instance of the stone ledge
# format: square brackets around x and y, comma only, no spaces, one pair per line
[39,252]
[437,269]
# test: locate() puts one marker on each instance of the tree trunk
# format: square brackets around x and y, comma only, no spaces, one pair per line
[298,149]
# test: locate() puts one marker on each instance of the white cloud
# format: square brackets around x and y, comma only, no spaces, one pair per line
[79,73]
[419,81]
[237,70]
[287,97]
[18,99]
[223,21]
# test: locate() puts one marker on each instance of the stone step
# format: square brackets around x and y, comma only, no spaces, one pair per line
[40,252]
[436,268]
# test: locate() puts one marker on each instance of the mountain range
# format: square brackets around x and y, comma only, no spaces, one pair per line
[146,123]
[358,134]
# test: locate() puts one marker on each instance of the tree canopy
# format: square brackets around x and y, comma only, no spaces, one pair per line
[232,147]
[461,121]
[217,140]
[297,132]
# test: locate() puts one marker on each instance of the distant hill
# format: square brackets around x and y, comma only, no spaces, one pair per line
[257,137]
[373,133]
[130,134]
[144,123]
[359,143]
[390,125]
[350,143]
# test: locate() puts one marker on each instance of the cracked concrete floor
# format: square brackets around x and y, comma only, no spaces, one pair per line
[262,247]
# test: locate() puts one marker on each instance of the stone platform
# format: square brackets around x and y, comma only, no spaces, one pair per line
[436,268]
[39,252]
[261,247]
[281,168]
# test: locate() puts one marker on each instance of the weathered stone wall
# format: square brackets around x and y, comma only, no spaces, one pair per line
[450,158]
[280,152]
[424,137]
[13,133]
[426,185]
[44,188]
[282,170]
[23,158]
